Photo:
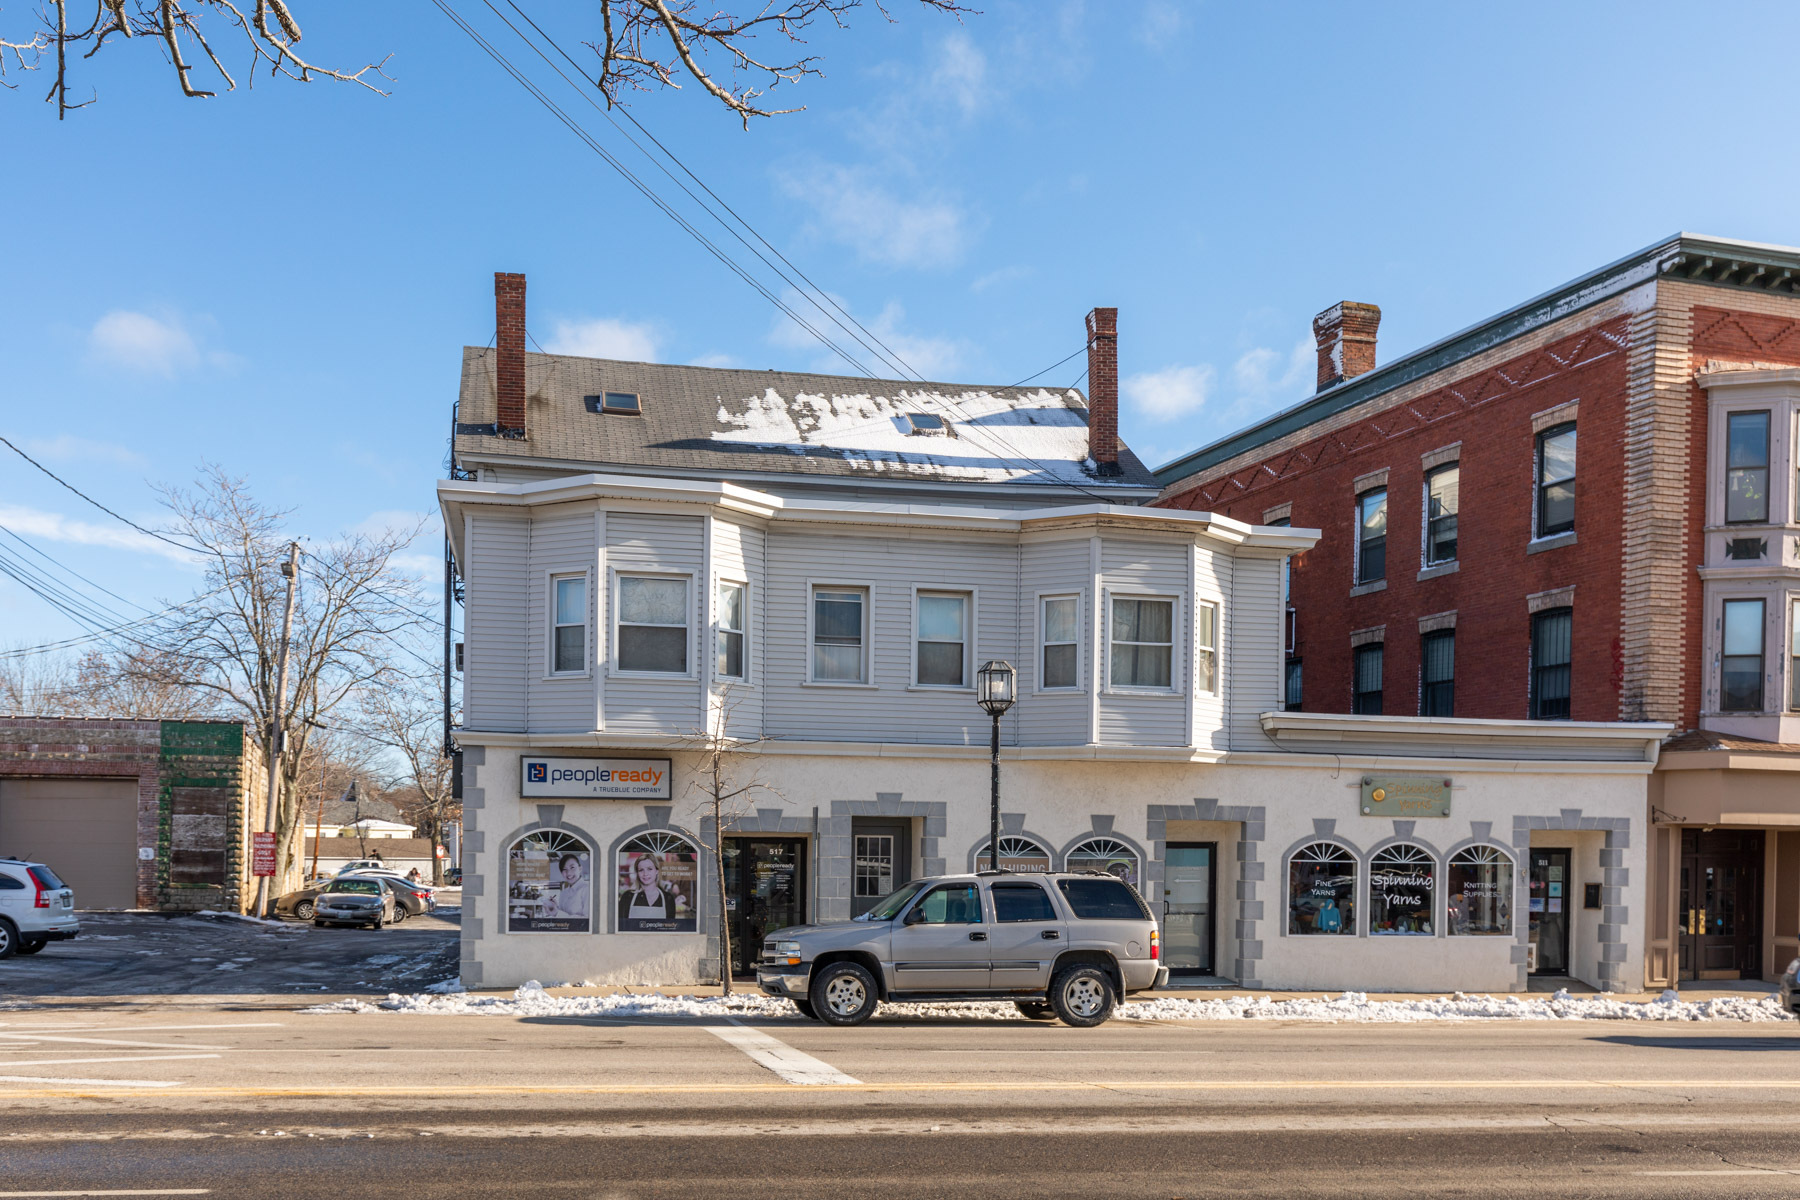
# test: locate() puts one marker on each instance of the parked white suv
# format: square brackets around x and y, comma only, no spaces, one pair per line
[36,908]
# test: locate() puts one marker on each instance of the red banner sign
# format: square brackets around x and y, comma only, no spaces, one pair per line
[262,854]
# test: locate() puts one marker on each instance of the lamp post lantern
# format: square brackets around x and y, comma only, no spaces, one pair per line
[995,692]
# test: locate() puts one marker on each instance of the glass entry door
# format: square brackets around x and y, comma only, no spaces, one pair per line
[765,890]
[1721,903]
[1550,889]
[1187,924]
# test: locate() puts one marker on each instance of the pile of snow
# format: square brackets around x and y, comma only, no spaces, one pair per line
[531,1000]
[211,915]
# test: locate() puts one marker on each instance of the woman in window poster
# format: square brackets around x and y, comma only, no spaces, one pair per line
[548,891]
[656,892]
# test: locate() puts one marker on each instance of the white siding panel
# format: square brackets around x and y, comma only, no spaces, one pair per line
[1256,658]
[1052,718]
[495,653]
[738,554]
[1213,572]
[656,542]
[562,543]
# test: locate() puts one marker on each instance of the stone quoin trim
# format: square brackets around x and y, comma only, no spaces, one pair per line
[1252,871]
[1615,916]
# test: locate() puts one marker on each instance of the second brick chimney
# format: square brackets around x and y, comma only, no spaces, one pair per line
[1345,334]
[1103,389]
[509,354]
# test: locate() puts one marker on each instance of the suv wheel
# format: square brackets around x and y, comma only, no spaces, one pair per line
[9,939]
[806,1008]
[1035,1010]
[844,994]
[1082,996]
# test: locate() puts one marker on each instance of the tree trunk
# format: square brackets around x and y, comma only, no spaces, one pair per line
[724,914]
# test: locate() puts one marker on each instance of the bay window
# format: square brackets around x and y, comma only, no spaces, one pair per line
[1741,664]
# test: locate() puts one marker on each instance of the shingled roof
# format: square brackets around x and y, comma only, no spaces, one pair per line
[720,423]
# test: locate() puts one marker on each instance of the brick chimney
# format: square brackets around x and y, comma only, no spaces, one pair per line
[1103,389]
[509,356]
[1345,333]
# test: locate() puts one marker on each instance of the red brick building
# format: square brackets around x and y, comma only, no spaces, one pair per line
[1584,507]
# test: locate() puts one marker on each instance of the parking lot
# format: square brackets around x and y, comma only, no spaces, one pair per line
[148,954]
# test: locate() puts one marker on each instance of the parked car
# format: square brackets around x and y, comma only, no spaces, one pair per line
[353,900]
[364,864]
[1790,988]
[36,908]
[409,900]
[1056,945]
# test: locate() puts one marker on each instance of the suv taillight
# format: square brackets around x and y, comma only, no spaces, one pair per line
[43,897]
[1155,945]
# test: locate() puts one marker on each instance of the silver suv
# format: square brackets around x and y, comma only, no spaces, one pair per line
[36,908]
[1056,945]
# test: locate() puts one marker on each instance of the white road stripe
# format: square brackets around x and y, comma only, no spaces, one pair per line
[779,1057]
[20,1039]
[16,1063]
[85,1083]
[121,1192]
[90,1027]
[1708,1174]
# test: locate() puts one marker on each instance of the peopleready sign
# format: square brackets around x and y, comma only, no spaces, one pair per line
[595,778]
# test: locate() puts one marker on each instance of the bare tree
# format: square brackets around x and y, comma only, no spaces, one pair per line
[406,718]
[725,785]
[101,683]
[351,611]
[35,685]
[644,44]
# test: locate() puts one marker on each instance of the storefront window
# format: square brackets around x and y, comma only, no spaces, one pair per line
[657,875]
[1107,855]
[1322,890]
[1480,880]
[1400,881]
[1016,854]
[550,884]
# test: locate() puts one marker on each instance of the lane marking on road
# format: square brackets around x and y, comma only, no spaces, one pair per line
[16,1063]
[85,1027]
[779,1057]
[120,1192]
[96,1083]
[1708,1174]
[20,1039]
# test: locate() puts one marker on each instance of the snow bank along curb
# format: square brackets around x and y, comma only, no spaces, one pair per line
[531,1000]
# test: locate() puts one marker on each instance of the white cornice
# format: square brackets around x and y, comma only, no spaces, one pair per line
[1339,731]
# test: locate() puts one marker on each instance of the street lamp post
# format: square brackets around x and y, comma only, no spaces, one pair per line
[994,691]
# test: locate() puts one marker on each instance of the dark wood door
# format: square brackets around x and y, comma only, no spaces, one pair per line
[1721,903]
[883,860]
[765,890]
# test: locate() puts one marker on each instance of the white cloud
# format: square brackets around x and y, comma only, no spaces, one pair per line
[856,210]
[69,448]
[996,278]
[961,74]
[54,527]
[931,357]
[1169,393]
[1263,374]
[605,337]
[712,360]
[140,342]
[1158,22]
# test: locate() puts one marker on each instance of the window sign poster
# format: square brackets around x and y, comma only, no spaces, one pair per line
[1537,904]
[656,887]
[550,885]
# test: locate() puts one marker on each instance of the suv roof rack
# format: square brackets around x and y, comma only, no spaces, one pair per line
[1001,871]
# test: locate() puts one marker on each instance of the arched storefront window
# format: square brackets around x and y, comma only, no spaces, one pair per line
[550,884]
[1321,890]
[1480,886]
[1402,879]
[1016,854]
[1109,855]
[659,873]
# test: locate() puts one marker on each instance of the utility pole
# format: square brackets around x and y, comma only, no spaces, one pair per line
[291,570]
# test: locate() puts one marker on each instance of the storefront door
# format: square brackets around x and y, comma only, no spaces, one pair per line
[1721,903]
[1187,924]
[882,863]
[765,890]
[1551,885]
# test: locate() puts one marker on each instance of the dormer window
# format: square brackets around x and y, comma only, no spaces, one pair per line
[926,425]
[623,404]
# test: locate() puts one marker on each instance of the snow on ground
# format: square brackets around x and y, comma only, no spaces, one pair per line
[531,1000]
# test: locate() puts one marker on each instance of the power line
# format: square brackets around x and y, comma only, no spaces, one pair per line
[70,570]
[102,634]
[109,512]
[1059,362]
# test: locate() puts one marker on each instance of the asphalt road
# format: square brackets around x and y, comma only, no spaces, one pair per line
[253,1098]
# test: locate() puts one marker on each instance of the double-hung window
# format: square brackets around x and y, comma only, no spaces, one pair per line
[1206,645]
[1365,697]
[731,631]
[1556,480]
[840,635]
[1552,648]
[1291,699]
[568,636]
[1143,642]
[1794,656]
[1060,628]
[1442,495]
[1747,468]
[1371,536]
[653,624]
[1741,666]
[941,656]
[1437,674]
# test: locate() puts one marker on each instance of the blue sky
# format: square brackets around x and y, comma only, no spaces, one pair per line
[278,280]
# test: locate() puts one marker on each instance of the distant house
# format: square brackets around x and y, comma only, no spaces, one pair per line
[355,828]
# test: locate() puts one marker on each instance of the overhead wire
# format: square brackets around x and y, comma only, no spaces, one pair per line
[70,570]
[109,512]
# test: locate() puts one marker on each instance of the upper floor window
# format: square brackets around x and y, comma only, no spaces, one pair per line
[568,637]
[1747,468]
[839,637]
[1206,645]
[1143,642]
[943,642]
[653,624]
[1292,692]
[1060,629]
[731,631]
[1552,649]
[1556,480]
[1371,536]
[1365,697]
[1437,674]
[1442,492]
[1794,657]
[1741,665]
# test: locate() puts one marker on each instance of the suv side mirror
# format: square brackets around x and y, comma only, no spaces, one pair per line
[915,917]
